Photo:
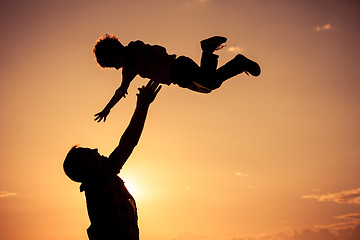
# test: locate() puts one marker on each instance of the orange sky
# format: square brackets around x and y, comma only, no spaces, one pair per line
[257,158]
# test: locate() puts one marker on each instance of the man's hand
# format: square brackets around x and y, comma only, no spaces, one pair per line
[101,115]
[148,93]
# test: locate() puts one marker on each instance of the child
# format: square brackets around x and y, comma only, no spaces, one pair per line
[111,208]
[153,62]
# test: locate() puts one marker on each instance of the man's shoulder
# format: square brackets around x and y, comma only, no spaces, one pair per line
[101,182]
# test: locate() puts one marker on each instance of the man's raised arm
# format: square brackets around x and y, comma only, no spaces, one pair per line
[132,134]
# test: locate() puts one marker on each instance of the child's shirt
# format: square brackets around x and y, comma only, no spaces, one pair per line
[148,61]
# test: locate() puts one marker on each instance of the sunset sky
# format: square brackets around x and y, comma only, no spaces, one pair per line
[274,157]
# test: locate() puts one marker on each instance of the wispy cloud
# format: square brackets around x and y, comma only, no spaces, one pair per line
[241,174]
[324,233]
[235,49]
[192,2]
[350,216]
[4,194]
[348,221]
[351,196]
[325,27]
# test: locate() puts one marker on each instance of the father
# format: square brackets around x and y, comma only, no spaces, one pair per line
[111,208]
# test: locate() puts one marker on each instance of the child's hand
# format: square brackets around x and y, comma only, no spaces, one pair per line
[101,115]
[147,94]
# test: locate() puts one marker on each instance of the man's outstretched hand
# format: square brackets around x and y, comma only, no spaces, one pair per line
[148,93]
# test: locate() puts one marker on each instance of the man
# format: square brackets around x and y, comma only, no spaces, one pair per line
[111,208]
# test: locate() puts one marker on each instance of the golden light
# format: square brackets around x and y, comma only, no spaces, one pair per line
[132,187]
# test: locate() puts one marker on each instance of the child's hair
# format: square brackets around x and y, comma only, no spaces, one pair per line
[73,165]
[106,46]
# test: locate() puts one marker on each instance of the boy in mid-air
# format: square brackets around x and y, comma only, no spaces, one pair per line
[153,62]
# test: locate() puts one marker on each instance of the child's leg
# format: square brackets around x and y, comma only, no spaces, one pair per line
[236,66]
[209,62]
[208,66]
[186,71]
[212,78]
[187,75]
[207,77]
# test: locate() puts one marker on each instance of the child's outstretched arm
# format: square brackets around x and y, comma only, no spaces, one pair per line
[119,93]
[128,76]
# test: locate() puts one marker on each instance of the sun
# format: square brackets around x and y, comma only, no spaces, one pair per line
[131,187]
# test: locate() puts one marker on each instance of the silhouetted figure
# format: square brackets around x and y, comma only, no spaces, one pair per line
[111,208]
[154,63]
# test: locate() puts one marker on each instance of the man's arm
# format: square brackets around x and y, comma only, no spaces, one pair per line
[132,134]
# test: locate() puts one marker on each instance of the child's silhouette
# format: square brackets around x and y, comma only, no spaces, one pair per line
[153,62]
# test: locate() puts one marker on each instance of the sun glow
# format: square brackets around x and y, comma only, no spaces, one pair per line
[134,187]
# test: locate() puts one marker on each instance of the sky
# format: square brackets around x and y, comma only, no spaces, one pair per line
[274,157]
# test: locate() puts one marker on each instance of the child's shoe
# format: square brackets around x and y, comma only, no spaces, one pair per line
[213,43]
[249,66]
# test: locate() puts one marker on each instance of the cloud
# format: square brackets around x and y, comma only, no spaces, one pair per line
[351,196]
[351,233]
[325,234]
[347,229]
[349,221]
[4,194]
[235,49]
[241,174]
[325,27]
[350,216]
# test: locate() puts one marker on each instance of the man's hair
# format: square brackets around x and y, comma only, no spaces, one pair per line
[73,165]
[106,46]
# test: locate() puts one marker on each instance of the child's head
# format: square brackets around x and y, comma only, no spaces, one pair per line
[109,51]
[81,163]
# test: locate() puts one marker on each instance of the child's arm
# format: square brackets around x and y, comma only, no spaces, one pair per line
[116,98]
[132,134]
[128,76]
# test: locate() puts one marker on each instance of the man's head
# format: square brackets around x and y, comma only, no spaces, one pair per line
[109,52]
[81,163]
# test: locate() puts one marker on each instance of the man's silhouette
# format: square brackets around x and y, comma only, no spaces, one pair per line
[111,208]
